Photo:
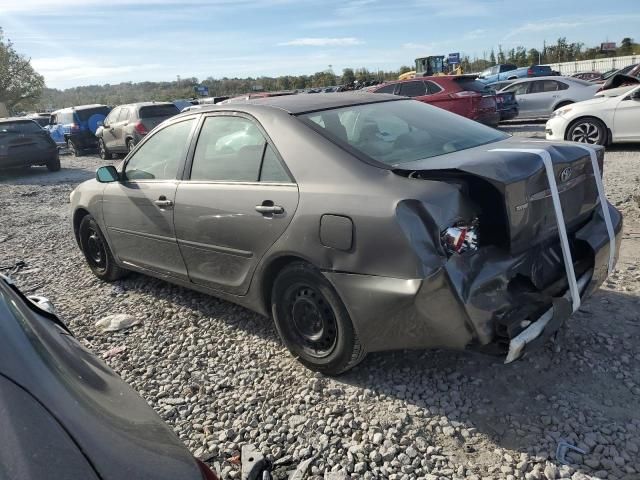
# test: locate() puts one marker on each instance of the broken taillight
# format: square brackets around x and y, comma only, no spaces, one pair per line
[460,238]
[140,128]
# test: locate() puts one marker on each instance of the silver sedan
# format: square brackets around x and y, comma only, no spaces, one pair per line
[538,97]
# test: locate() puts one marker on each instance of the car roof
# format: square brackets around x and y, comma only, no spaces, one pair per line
[16,119]
[297,104]
[547,77]
[81,107]
[144,104]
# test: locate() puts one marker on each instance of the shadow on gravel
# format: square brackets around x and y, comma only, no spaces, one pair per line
[583,382]
[624,147]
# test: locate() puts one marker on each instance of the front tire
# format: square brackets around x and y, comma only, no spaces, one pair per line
[312,321]
[96,251]
[588,130]
[53,165]
[102,150]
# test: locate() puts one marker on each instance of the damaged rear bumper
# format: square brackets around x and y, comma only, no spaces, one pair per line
[482,300]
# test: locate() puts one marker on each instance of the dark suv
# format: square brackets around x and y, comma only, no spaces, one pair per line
[126,125]
[76,126]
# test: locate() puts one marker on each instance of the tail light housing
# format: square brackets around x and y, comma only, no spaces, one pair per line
[74,128]
[460,238]
[207,473]
[140,128]
[465,94]
[530,72]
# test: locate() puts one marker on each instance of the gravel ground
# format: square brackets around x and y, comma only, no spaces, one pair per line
[218,374]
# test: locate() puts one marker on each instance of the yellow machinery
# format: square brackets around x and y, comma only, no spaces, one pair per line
[432,66]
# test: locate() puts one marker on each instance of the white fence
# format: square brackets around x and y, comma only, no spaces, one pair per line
[599,65]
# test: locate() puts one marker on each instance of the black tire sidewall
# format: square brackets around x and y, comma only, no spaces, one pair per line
[130,145]
[102,150]
[341,356]
[111,270]
[53,165]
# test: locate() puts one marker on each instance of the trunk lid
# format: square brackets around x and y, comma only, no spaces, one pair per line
[517,207]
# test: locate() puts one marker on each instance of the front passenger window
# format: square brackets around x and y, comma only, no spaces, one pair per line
[158,158]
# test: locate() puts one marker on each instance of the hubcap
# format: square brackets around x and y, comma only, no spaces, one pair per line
[586,133]
[313,321]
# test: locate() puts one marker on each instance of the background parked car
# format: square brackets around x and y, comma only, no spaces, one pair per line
[539,97]
[75,127]
[498,73]
[459,94]
[126,125]
[183,103]
[612,116]
[24,143]
[64,414]
[588,76]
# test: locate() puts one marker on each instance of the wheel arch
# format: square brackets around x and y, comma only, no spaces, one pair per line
[78,215]
[269,274]
[562,103]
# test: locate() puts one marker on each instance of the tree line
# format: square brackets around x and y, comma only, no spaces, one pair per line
[22,88]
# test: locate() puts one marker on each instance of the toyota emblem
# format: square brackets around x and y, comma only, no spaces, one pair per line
[565,174]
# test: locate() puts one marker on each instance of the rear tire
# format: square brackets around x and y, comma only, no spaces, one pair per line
[130,145]
[312,321]
[102,150]
[53,165]
[96,251]
[73,148]
[588,130]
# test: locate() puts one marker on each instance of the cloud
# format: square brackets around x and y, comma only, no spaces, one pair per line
[473,34]
[417,46]
[322,42]
[561,24]
[61,70]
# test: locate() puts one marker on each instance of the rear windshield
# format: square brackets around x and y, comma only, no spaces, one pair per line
[398,132]
[42,121]
[158,111]
[87,113]
[472,85]
[20,127]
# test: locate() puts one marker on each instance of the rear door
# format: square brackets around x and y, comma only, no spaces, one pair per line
[626,120]
[138,210]
[236,201]
[543,95]
[108,132]
[521,91]
[118,130]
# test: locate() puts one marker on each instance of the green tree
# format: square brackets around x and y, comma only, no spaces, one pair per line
[626,46]
[20,84]
[492,57]
[348,77]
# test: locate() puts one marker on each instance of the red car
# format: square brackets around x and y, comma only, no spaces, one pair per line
[459,94]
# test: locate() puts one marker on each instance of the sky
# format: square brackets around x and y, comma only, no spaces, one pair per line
[87,42]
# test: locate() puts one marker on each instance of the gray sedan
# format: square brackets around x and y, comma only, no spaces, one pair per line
[538,97]
[359,222]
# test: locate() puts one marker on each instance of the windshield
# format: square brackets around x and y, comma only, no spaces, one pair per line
[399,132]
[158,111]
[472,85]
[85,114]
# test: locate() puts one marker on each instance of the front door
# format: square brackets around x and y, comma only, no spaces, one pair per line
[626,122]
[237,201]
[138,210]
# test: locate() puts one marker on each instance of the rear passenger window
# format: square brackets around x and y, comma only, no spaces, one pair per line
[413,89]
[432,88]
[387,89]
[124,115]
[229,149]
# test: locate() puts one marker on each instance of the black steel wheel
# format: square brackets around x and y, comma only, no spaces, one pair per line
[96,251]
[102,150]
[588,130]
[313,322]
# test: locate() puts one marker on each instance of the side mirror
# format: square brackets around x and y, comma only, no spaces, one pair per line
[107,174]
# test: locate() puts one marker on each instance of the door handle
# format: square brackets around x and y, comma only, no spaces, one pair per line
[162,202]
[266,209]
